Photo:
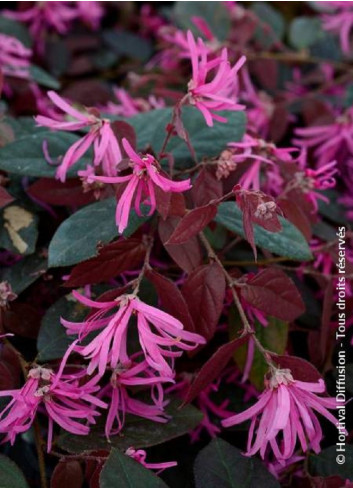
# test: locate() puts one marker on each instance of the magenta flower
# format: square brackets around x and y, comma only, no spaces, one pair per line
[166,340]
[286,411]
[14,57]
[128,106]
[125,377]
[140,456]
[219,93]
[141,184]
[339,20]
[331,141]
[101,136]
[63,397]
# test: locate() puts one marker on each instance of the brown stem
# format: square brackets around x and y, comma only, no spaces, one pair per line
[247,329]
[41,460]
[146,263]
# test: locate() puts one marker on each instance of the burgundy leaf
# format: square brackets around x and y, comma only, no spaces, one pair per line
[192,223]
[113,259]
[273,292]
[296,215]
[213,367]
[171,298]
[301,369]
[68,473]
[53,192]
[5,197]
[204,292]
[205,188]
[122,129]
[188,255]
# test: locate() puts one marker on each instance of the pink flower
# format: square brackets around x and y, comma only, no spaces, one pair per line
[101,136]
[285,412]
[309,181]
[129,106]
[339,20]
[43,16]
[140,456]
[63,397]
[254,153]
[125,377]
[143,180]
[166,340]
[90,13]
[219,93]
[14,57]
[331,141]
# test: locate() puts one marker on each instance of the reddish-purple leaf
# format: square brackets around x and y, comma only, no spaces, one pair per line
[171,298]
[113,259]
[296,215]
[301,369]
[188,255]
[204,292]
[205,188]
[68,473]
[122,129]
[192,223]
[213,367]
[273,292]
[5,197]
[53,192]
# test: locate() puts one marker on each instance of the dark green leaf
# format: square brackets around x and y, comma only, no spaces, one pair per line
[18,230]
[52,340]
[333,210]
[324,464]
[25,155]
[305,31]
[124,43]
[214,13]
[122,471]
[289,242]
[138,432]
[220,464]
[10,474]
[272,27]
[25,272]
[77,238]
[207,141]
[16,29]
[43,78]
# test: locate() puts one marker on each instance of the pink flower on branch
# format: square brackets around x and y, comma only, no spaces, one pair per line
[286,412]
[339,20]
[125,377]
[161,336]
[14,57]
[218,94]
[101,136]
[65,399]
[141,184]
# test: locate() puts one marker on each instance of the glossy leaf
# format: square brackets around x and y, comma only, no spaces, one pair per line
[138,432]
[10,474]
[324,464]
[213,367]
[289,242]
[204,292]
[77,238]
[122,471]
[113,259]
[273,292]
[192,223]
[151,126]
[220,464]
